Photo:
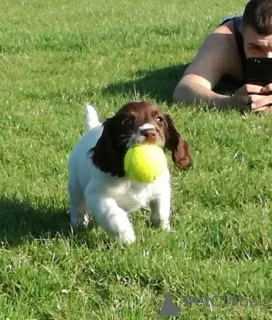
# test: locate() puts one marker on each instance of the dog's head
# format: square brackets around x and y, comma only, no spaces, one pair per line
[138,123]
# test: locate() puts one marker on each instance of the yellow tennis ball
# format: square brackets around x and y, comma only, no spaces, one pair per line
[144,163]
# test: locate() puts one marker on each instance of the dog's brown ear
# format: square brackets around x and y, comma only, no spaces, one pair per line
[108,155]
[180,148]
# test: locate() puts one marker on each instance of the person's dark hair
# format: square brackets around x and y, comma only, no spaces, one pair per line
[258,16]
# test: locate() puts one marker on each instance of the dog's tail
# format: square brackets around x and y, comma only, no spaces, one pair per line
[91,117]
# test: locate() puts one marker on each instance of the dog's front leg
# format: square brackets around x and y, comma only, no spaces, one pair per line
[160,210]
[110,216]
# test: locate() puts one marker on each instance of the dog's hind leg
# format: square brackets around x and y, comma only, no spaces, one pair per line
[78,214]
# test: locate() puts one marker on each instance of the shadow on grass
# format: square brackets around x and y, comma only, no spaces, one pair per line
[20,220]
[159,84]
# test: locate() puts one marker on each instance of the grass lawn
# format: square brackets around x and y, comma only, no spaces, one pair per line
[54,57]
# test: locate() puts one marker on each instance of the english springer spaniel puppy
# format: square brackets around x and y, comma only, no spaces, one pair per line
[97,180]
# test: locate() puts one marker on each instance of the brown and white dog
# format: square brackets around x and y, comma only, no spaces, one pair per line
[97,181]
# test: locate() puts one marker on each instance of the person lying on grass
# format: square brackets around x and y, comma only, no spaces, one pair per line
[224,53]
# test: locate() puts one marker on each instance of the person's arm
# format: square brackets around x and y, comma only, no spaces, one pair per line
[195,92]
[209,65]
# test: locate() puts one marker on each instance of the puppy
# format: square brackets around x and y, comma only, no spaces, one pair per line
[97,180]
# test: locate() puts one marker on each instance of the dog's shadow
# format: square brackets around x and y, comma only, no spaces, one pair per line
[19,220]
[22,222]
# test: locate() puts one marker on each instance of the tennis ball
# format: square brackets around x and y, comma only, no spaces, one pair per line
[144,163]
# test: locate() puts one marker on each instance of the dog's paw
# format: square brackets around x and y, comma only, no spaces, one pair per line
[156,222]
[80,224]
[165,225]
[127,237]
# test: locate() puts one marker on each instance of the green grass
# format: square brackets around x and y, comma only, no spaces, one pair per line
[56,56]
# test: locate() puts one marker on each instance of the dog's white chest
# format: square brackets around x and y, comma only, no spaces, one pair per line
[128,195]
[136,195]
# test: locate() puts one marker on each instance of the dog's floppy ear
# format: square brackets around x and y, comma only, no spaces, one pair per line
[180,148]
[108,154]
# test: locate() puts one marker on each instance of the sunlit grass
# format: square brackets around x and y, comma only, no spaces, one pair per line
[58,55]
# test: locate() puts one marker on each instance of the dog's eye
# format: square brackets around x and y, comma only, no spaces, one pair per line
[159,119]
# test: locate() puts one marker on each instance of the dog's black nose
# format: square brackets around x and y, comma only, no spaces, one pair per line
[150,134]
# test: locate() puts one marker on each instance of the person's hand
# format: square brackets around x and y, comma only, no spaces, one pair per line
[251,97]
[265,102]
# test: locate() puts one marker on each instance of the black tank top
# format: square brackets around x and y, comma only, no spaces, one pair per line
[239,42]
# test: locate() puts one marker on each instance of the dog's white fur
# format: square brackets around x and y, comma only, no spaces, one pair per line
[109,198]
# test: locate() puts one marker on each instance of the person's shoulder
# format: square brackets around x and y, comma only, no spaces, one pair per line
[225,28]
[221,40]
[224,34]
[221,46]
